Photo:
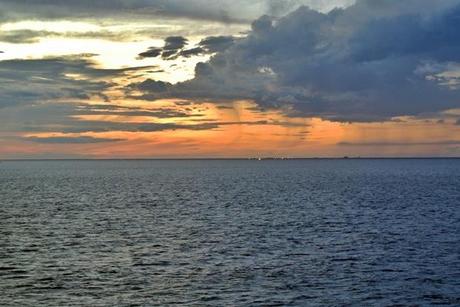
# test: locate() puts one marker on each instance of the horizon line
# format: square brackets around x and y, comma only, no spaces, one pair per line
[229,159]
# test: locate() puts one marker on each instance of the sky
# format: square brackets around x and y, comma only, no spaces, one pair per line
[229,79]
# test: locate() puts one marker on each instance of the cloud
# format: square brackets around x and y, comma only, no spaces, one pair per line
[209,45]
[175,43]
[192,52]
[214,44]
[150,85]
[27,36]
[39,80]
[174,47]
[61,117]
[117,110]
[236,11]
[70,140]
[54,117]
[48,95]
[369,62]
[21,36]
[152,52]
[86,126]
[82,126]
[31,81]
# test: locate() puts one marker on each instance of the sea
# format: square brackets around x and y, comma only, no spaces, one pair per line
[313,232]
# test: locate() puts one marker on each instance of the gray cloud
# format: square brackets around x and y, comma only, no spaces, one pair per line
[84,126]
[36,96]
[32,81]
[53,117]
[62,117]
[21,36]
[370,62]
[214,44]
[152,52]
[175,43]
[107,109]
[151,85]
[70,140]
[174,47]
[220,10]
[190,17]
[25,36]
[38,80]
[192,52]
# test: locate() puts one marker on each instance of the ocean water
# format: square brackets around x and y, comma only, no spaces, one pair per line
[230,233]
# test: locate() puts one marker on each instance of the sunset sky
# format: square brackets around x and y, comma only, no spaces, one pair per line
[220,78]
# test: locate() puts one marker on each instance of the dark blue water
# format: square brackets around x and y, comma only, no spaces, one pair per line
[230,233]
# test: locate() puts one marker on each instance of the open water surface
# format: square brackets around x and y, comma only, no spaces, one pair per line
[230,233]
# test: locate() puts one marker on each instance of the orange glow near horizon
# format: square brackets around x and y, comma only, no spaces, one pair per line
[241,131]
[224,130]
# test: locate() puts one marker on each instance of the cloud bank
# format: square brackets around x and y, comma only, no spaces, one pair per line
[369,62]
[218,10]
[36,81]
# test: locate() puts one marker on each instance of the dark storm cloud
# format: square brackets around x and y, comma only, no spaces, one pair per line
[370,62]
